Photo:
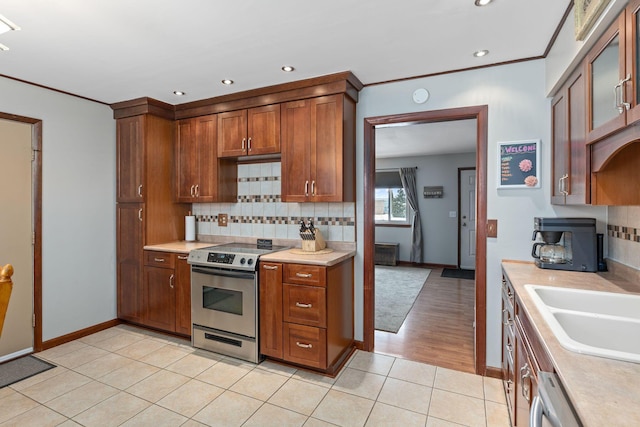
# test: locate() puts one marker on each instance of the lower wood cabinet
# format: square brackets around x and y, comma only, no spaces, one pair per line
[166,301]
[306,313]
[523,357]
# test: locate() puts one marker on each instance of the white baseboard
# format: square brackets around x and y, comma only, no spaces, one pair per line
[16,354]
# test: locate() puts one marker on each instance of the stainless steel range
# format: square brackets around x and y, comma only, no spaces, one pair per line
[224,298]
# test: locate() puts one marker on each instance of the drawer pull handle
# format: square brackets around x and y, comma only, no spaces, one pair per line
[302,305]
[158,259]
[299,344]
[305,275]
[182,257]
[171,281]
[270,267]
[509,385]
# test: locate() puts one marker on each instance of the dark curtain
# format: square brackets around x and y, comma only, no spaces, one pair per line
[409,184]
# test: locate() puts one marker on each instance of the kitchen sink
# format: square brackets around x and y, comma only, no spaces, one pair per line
[609,303]
[604,324]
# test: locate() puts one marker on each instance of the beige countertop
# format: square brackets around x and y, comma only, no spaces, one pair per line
[604,392]
[294,256]
[181,246]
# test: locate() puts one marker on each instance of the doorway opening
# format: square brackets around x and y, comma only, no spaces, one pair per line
[36,196]
[480,114]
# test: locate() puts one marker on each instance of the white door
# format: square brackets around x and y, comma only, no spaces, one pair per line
[467,224]
[15,234]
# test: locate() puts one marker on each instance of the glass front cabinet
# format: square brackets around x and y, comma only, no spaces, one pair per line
[613,75]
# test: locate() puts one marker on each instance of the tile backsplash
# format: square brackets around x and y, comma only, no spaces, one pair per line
[260,212]
[623,233]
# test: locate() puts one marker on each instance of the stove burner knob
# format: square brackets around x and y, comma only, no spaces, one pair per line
[250,261]
[242,261]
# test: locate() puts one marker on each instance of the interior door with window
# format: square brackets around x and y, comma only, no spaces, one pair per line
[467,224]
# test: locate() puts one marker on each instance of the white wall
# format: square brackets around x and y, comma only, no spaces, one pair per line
[439,230]
[78,205]
[517,109]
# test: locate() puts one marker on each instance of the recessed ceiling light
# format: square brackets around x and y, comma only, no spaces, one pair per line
[179,93]
[483,2]
[480,53]
[287,68]
[6,25]
[227,82]
[3,47]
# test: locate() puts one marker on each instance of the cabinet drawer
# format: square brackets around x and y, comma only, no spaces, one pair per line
[305,305]
[305,274]
[305,345]
[159,259]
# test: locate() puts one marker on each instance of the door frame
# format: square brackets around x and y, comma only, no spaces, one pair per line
[36,182]
[460,170]
[480,113]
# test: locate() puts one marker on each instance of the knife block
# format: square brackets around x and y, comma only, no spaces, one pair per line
[314,245]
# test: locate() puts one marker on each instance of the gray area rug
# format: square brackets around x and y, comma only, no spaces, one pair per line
[396,289]
[19,369]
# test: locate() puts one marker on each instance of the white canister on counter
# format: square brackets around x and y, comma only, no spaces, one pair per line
[190,228]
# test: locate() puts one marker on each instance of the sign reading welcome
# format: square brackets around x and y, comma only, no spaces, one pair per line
[519,164]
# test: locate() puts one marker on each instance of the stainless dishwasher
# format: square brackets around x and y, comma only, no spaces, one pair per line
[551,407]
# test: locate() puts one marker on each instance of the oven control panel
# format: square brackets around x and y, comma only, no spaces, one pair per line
[220,258]
[239,258]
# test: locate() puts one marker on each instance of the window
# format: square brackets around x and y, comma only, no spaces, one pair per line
[391,206]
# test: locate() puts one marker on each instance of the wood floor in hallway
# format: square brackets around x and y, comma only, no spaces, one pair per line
[439,328]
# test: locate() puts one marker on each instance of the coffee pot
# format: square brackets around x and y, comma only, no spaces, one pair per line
[566,243]
[554,253]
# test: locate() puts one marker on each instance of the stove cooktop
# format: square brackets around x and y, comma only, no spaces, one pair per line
[237,256]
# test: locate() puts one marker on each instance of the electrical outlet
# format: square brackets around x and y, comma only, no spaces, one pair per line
[222,220]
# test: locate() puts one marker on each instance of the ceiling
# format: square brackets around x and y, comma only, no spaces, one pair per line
[427,139]
[115,50]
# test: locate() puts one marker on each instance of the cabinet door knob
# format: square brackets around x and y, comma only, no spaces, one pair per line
[171,281]
[140,214]
[140,190]
[313,188]
[306,188]
[243,141]
[249,144]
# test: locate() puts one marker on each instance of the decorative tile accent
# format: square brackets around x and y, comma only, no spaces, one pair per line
[260,212]
[625,233]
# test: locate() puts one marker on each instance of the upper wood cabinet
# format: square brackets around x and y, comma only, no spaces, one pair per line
[318,150]
[613,76]
[200,176]
[249,132]
[570,180]
[130,154]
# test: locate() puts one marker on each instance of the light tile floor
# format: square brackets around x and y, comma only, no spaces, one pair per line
[132,377]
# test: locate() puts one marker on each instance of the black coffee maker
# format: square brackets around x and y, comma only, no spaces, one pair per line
[567,244]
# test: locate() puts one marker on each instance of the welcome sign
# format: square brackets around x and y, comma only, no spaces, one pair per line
[519,164]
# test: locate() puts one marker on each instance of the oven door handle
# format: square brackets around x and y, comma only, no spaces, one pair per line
[536,412]
[224,273]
